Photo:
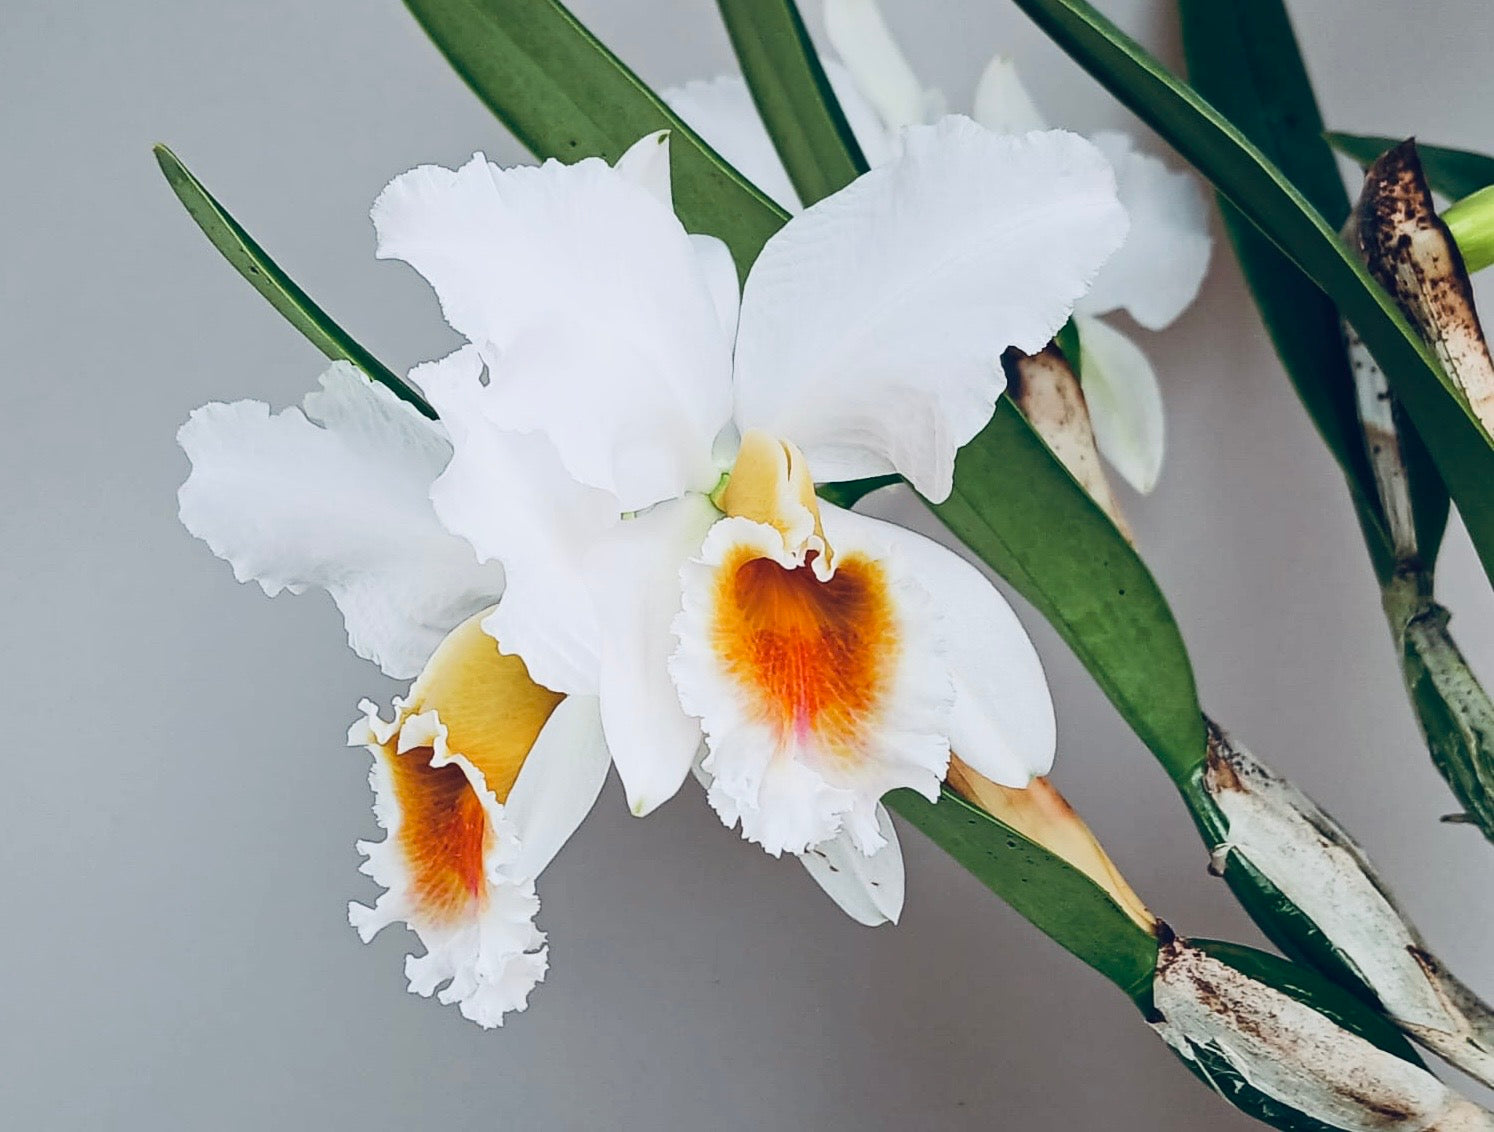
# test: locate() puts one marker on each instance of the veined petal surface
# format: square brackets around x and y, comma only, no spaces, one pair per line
[1159,269]
[584,294]
[1125,402]
[443,769]
[873,323]
[337,496]
[1002,722]
[509,496]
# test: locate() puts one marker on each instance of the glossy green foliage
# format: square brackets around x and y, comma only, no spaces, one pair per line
[1243,57]
[1268,199]
[793,95]
[1060,900]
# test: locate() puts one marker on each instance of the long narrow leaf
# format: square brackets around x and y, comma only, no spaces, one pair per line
[1017,506]
[564,95]
[782,69]
[1263,194]
[262,273]
[1455,173]
[1064,903]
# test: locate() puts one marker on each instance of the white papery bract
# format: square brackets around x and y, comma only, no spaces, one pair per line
[638,451]
[483,774]
[1153,278]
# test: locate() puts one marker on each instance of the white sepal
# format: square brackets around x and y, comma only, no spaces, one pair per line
[868,889]
[558,783]
[507,494]
[861,38]
[1124,400]
[635,578]
[1002,102]
[1158,271]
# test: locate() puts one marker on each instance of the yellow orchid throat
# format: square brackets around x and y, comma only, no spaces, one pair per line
[456,745]
[811,639]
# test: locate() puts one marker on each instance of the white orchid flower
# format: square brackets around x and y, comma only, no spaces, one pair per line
[1154,277]
[482,775]
[639,449]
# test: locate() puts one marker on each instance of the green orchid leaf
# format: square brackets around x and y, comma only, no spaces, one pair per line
[1243,57]
[1060,900]
[792,94]
[1263,194]
[262,273]
[1455,173]
[1017,507]
[564,95]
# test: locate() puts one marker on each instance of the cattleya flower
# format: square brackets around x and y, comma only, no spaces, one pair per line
[637,442]
[1154,276]
[483,774]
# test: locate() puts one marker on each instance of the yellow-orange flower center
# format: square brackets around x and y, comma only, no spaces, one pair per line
[444,837]
[492,713]
[814,657]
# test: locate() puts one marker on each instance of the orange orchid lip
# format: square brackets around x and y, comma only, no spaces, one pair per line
[815,657]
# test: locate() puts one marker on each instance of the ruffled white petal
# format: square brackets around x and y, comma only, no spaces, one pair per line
[1125,402]
[868,889]
[873,323]
[796,757]
[635,576]
[584,294]
[337,497]
[1002,102]
[882,73]
[508,495]
[558,784]
[1002,723]
[1159,269]
[489,960]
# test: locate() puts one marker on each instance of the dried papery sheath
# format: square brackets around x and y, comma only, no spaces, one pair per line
[1413,255]
[1044,386]
[1378,417]
[1303,852]
[1294,1054]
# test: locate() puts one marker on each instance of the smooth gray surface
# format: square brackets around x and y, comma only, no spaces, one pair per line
[178,814]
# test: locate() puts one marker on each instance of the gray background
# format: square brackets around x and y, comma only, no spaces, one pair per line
[178,814]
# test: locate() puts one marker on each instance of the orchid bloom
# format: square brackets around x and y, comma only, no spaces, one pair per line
[1154,277]
[483,774]
[636,441]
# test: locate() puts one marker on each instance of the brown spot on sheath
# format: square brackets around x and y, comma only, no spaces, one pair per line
[1410,251]
[1044,387]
